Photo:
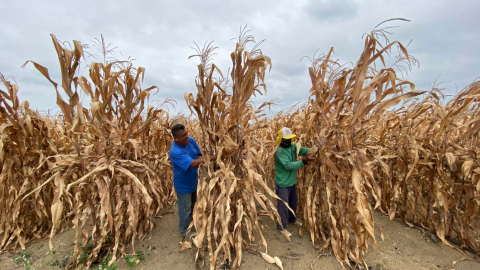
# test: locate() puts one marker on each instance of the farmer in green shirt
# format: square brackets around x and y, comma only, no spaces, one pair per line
[286,166]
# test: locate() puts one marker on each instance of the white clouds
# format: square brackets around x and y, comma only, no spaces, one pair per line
[158,34]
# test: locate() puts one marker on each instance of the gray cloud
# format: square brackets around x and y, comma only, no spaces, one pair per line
[159,34]
[332,10]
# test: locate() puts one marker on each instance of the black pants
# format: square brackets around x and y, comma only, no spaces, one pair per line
[289,195]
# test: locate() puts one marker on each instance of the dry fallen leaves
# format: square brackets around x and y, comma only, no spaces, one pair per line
[267,258]
[278,262]
[185,245]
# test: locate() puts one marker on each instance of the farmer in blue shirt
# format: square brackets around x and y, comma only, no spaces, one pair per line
[184,156]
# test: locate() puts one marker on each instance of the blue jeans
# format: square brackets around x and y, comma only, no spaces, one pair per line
[289,195]
[186,203]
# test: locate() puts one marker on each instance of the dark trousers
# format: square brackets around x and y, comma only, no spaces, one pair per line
[289,195]
[186,203]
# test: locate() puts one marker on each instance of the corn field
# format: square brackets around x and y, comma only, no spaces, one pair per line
[101,170]
[105,171]
[417,162]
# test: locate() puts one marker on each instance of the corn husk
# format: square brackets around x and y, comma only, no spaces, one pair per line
[267,258]
[278,262]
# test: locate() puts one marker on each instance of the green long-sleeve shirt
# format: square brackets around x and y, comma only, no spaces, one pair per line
[286,165]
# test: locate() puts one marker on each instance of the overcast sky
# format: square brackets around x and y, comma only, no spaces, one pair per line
[159,34]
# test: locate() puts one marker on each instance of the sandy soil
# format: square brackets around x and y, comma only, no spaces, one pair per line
[403,248]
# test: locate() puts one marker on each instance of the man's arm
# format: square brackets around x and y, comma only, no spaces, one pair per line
[289,165]
[196,163]
[212,157]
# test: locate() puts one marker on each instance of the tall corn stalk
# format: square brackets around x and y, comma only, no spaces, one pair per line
[116,178]
[335,195]
[27,138]
[228,197]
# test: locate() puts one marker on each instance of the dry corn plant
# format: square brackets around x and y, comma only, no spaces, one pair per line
[435,175]
[334,197]
[27,138]
[112,177]
[228,196]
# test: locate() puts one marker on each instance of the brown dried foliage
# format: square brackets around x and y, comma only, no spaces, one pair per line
[418,162]
[229,197]
[336,196]
[103,170]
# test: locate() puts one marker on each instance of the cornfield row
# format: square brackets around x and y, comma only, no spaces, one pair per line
[418,162]
[103,170]
[106,171]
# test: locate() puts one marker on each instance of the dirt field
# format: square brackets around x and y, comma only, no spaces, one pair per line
[403,248]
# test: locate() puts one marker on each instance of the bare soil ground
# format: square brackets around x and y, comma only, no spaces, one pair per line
[403,248]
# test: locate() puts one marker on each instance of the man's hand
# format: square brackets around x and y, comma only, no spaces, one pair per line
[213,157]
[306,159]
[196,163]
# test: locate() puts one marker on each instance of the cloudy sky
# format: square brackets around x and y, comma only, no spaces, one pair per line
[159,34]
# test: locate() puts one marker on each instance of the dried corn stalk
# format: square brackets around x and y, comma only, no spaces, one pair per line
[336,196]
[418,162]
[27,139]
[433,150]
[228,196]
[104,169]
